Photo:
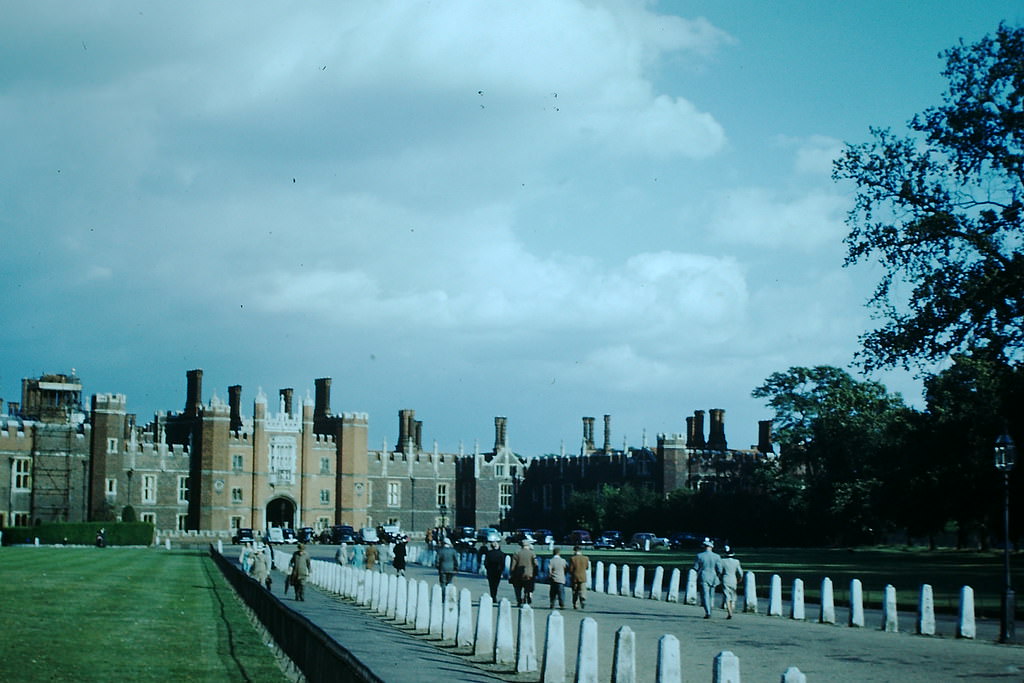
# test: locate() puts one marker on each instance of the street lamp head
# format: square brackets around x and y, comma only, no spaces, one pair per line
[1005,453]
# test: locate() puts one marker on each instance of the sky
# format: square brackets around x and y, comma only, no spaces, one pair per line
[536,210]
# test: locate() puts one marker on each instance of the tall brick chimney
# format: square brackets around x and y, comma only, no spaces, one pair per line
[321,405]
[287,394]
[588,433]
[194,392]
[698,429]
[235,404]
[406,417]
[764,436]
[716,431]
[607,433]
[500,435]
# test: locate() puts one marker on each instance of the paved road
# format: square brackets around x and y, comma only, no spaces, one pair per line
[765,646]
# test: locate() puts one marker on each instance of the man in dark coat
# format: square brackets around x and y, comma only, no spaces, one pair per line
[494,564]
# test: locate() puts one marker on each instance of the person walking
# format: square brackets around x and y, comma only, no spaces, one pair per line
[494,565]
[732,574]
[578,566]
[341,554]
[447,563]
[556,578]
[372,555]
[399,560]
[708,566]
[358,556]
[522,572]
[300,567]
[261,567]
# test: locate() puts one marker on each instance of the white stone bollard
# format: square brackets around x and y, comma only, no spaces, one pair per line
[613,580]
[384,594]
[450,616]
[526,643]
[464,628]
[402,600]
[669,668]
[624,587]
[436,610]
[673,586]
[421,615]
[827,614]
[36,542]
[375,590]
[167,543]
[624,656]
[775,596]
[726,668]
[658,583]
[504,645]
[750,593]
[392,609]
[599,577]
[926,611]
[638,588]
[552,670]
[793,675]
[856,603]
[220,547]
[691,587]
[483,638]
[586,652]
[965,626]
[796,610]
[890,621]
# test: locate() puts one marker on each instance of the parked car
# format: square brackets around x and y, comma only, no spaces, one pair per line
[544,536]
[243,536]
[488,534]
[520,535]
[684,540]
[368,535]
[274,534]
[289,535]
[306,534]
[643,540]
[578,537]
[609,539]
[341,533]
[463,536]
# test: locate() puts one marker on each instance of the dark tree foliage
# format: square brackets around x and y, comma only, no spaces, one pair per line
[940,211]
[834,432]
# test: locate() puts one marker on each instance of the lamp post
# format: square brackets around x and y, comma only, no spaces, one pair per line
[1005,456]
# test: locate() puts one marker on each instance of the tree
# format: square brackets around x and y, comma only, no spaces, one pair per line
[833,430]
[941,212]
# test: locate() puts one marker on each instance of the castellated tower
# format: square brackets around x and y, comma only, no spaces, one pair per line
[353,491]
[107,448]
[208,500]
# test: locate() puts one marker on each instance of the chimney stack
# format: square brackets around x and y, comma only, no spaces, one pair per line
[321,405]
[764,436]
[716,431]
[588,433]
[607,433]
[235,403]
[194,393]
[406,417]
[698,429]
[500,425]
[286,394]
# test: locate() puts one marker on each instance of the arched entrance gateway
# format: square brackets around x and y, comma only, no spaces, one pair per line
[281,512]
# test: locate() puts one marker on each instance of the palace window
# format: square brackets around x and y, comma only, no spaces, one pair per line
[442,495]
[236,495]
[505,496]
[20,519]
[394,494]
[22,478]
[325,496]
[237,463]
[182,489]
[149,517]
[149,488]
[282,459]
[325,465]
[111,487]
[111,445]
[236,523]
[182,522]
[499,470]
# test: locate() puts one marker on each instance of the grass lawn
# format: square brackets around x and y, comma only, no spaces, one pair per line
[946,570]
[123,614]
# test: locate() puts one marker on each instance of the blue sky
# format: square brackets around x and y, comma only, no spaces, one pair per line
[542,210]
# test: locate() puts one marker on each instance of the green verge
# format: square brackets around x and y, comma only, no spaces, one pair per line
[129,614]
[947,571]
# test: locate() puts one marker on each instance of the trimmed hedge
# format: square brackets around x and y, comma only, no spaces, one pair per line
[81,533]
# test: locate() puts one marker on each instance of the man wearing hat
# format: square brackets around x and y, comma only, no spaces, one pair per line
[447,563]
[522,572]
[709,570]
[300,568]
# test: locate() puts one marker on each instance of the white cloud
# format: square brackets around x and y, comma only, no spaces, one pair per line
[764,217]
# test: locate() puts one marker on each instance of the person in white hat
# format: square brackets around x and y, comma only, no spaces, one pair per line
[732,573]
[708,566]
[447,563]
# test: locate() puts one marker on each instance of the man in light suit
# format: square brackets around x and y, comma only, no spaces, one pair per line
[709,571]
